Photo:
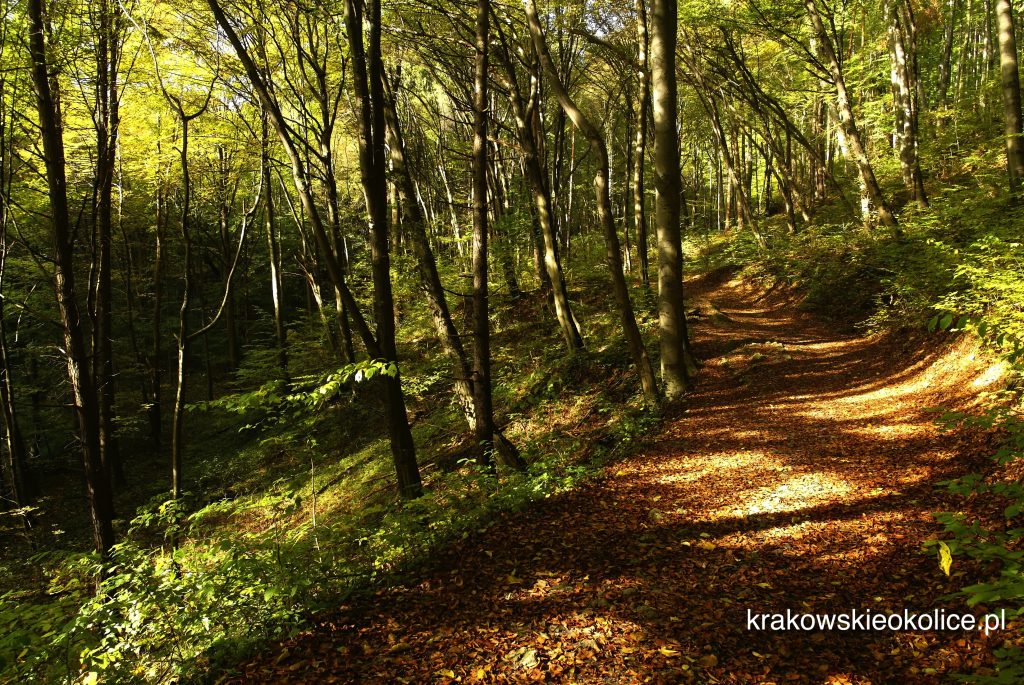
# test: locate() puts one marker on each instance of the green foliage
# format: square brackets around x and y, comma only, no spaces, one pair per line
[957,266]
[994,544]
[295,528]
[989,287]
[277,401]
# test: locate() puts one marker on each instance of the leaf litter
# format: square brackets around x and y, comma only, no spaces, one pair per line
[799,474]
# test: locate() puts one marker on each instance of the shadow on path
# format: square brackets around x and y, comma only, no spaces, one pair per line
[800,474]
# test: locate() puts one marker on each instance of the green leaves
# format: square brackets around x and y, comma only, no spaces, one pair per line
[276,401]
[943,322]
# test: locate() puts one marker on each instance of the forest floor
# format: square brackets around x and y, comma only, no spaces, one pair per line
[799,474]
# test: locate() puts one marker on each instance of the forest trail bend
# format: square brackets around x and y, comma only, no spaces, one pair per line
[800,475]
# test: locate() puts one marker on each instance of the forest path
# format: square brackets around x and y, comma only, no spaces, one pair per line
[799,475]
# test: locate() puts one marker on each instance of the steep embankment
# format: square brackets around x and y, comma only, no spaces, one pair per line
[800,475]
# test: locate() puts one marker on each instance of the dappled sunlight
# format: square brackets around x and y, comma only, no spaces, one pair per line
[891,430]
[992,375]
[715,465]
[800,474]
[796,493]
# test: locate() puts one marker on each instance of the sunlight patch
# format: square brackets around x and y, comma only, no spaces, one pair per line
[715,464]
[992,375]
[798,493]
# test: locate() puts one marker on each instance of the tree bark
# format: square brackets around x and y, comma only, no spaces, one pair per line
[668,182]
[367,75]
[872,193]
[1012,121]
[18,486]
[415,228]
[946,60]
[107,120]
[903,71]
[273,249]
[640,145]
[530,134]
[299,177]
[613,253]
[177,417]
[227,192]
[156,354]
[101,504]
[20,483]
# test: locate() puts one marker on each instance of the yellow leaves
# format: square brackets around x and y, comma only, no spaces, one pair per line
[707,546]
[665,651]
[945,557]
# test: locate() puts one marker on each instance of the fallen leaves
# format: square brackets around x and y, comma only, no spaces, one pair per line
[808,487]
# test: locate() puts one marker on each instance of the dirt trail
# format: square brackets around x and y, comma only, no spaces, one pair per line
[800,475]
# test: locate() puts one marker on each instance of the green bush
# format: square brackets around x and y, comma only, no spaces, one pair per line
[998,544]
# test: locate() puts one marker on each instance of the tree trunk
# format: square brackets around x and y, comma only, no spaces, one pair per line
[19,486]
[101,504]
[299,176]
[177,417]
[482,397]
[639,153]
[19,479]
[872,193]
[437,301]
[106,121]
[528,127]
[903,75]
[1011,96]
[613,252]
[671,312]
[226,200]
[367,74]
[946,61]
[273,249]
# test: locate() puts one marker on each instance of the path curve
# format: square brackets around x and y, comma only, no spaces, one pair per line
[800,475]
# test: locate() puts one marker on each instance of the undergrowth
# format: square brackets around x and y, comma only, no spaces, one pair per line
[298,511]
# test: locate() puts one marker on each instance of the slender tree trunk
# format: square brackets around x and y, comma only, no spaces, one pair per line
[273,249]
[177,417]
[671,312]
[640,146]
[426,264]
[106,119]
[613,252]
[486,431]
[20,482]
[1011,96]
[101,504]
[19,486]
[946,61]
[528,127]
[226,200]
[870,189]
[367,74]
[482,397]
[299,176]
[156,354]
[903,75]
